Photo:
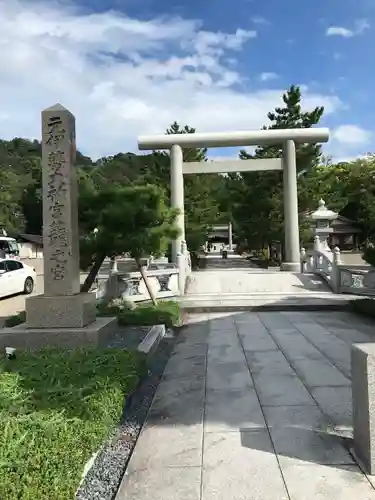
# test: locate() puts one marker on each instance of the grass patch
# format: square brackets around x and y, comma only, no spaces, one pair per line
[56,409]
[364,306]
[15,320]
[167,313]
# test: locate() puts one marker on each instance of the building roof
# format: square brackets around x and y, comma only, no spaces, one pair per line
[32,238]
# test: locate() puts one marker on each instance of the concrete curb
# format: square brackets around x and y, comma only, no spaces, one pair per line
[148,346]
[151,341]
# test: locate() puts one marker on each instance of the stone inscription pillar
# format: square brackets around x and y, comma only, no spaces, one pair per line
[177,197]
[62,305]
[291,224]
[60,210]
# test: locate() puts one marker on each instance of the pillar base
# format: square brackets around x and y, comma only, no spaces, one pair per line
[67,311]
[96,334]
[292,267]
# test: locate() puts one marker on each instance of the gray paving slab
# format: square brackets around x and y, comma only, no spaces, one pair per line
[232,410]
[275,321]
[295,346]
[325,482]
[258,343]
[206,438]
[268,363]
[168,446]
[179,401]
[226,353]
[161,484]
[309,445]
[241,466]
[179,366]
[304,417]
[336,403]
[351,335]
[323,337]
[335,350]
[228,375]
[319,373]
[217,339]
[281,390]
[250,326]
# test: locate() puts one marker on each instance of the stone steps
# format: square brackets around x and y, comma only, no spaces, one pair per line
[272,301]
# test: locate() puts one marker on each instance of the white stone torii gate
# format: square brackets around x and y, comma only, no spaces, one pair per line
[287,137]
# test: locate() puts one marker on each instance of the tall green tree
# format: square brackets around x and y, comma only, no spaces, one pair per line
[134,220]
[258,205]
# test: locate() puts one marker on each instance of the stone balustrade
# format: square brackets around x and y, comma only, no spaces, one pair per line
[356,280]
[166,280]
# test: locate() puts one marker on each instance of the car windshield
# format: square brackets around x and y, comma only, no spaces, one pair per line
[13,245]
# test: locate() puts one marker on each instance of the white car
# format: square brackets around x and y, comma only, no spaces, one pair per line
[16,277]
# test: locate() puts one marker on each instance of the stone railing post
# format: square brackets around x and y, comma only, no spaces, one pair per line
[303,260]
[113,269]
[335,273]
[316,249]
[181,273]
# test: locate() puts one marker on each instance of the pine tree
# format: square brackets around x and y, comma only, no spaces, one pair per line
[259,206]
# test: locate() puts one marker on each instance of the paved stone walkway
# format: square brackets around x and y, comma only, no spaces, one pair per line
[253,406]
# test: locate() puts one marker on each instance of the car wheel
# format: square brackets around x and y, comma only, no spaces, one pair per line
[29,286]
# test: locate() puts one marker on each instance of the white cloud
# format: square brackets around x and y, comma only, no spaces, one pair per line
[265,77]
[339,31]
[351,135]
[360,26]
[123,77]
[259,20]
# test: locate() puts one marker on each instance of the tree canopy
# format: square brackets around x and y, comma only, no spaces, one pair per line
[253,201]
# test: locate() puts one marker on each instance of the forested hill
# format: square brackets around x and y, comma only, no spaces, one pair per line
[20,183]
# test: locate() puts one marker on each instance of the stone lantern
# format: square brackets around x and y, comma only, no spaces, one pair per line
[322,218]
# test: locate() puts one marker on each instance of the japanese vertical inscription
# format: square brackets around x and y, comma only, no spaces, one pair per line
[60,227]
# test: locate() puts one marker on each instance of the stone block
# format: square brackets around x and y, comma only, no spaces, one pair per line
[60,203]
[95,334]
[70,311]
[363,401]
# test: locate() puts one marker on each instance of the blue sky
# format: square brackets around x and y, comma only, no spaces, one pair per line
[131,67]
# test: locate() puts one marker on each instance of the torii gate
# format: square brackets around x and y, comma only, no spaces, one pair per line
[287,137]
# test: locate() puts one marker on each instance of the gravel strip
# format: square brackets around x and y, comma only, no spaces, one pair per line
[103,479]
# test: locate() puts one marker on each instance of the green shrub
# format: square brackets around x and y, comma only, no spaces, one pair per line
[364,306]
[369,255]
[167,313]
[16,319]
